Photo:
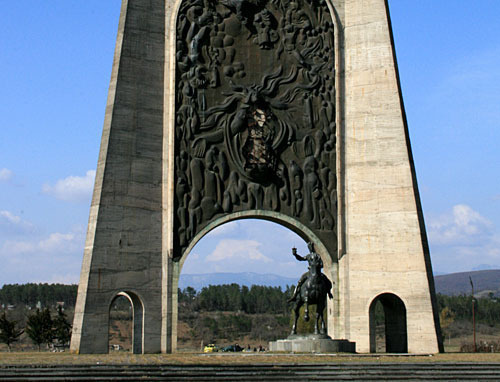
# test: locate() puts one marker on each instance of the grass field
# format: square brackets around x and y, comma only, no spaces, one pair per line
[44,358]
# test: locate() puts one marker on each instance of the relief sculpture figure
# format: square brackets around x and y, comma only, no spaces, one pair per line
[312,191]
[247,124]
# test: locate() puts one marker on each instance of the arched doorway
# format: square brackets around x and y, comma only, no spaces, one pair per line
[234,285]
[126,318]
[301,233]
[394,311]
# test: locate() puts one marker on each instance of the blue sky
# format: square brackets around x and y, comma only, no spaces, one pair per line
[55,67]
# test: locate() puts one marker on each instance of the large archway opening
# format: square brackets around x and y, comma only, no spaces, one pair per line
[125,324]
[388,331]
[235,282]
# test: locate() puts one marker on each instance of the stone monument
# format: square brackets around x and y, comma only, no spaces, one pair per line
[312,289]
[285,110]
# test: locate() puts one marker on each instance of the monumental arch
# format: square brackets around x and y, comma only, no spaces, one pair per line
[285,110]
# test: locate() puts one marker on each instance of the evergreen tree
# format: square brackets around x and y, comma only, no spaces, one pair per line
[8,332]
[62,328]
[39,327]
[190,293]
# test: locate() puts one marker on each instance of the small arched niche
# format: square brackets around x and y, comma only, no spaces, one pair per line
[395,330]
[126,318]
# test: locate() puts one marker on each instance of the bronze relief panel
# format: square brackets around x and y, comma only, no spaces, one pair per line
[255,114]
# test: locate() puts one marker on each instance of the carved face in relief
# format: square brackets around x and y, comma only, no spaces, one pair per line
[260,157]
[260,117]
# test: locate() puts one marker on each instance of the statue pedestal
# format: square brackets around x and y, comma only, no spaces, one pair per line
[312,343]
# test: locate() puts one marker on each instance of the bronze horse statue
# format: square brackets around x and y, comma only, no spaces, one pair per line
[312,289]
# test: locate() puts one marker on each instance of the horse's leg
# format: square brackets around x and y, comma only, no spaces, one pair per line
[323,328]
[316,331]
[296,309]
[319,314]
[306,312]
[321,310]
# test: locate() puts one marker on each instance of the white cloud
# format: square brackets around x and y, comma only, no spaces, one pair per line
[247,245]
[462,239]
[52,258]
[61,242]
[462,225]
[54,243]
[72,188]
[10,217]
[5,174]
[13,224]
[237,249]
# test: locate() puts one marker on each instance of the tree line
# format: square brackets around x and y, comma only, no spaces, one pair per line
[230,297]
[487,309]
[30,294]
[236,298]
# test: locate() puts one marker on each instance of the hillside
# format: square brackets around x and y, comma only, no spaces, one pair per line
[459,283]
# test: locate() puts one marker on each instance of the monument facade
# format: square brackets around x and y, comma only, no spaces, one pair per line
[285,110]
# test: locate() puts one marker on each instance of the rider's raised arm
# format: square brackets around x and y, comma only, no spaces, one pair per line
[297,256]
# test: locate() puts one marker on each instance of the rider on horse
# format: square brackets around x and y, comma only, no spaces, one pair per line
[313,259]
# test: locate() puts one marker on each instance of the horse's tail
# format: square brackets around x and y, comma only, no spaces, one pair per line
[327,282]
[328,285]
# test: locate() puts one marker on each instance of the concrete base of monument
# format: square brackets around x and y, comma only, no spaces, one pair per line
[312,343]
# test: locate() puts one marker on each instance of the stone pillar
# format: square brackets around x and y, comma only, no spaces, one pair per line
[123,249]
[386,248]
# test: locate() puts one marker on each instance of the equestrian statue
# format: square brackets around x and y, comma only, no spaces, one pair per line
[312,289]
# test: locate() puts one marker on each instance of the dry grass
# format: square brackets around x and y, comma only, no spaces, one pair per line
[44,358]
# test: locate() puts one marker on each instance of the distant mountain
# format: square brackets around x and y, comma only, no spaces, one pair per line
[450,284]
[484,267]
[247,278]
[459,283]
